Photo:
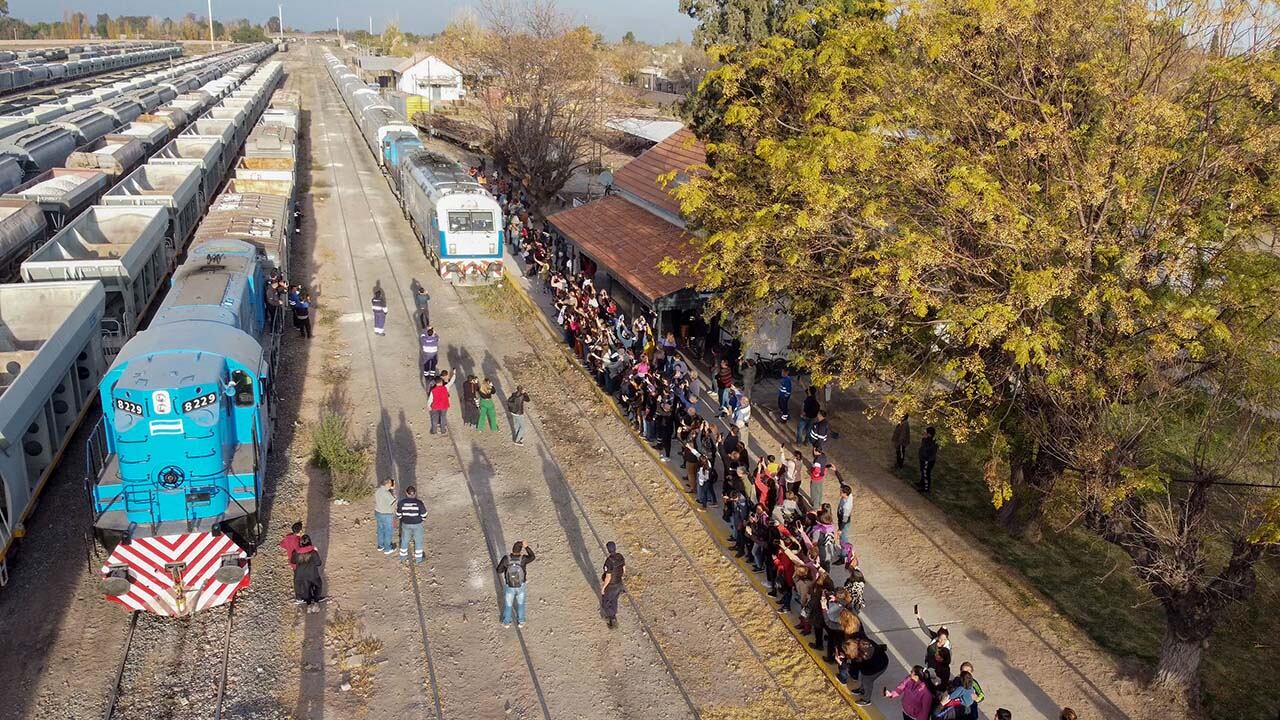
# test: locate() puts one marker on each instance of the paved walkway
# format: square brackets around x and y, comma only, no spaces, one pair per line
[899,579]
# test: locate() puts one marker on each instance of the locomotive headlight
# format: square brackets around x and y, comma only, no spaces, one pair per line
[117,583]
[230,573]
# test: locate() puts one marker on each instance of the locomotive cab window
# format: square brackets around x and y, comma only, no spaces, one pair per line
[243,384]
[475,221]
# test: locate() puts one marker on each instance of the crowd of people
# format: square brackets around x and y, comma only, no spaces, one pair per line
[775,504]
[281,294]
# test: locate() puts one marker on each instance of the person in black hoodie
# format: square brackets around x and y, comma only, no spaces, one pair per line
[937,657]
[819,431]
[808,413]
[865,660]
[928,456]
[666,425]
[306,574]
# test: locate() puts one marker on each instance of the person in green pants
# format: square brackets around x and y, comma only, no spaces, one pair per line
[488,414]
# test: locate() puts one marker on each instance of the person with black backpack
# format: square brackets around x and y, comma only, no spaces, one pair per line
[513,571]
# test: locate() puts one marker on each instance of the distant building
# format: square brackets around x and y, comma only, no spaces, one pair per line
[378,70]
[652,130]
[431,78]
[655,79]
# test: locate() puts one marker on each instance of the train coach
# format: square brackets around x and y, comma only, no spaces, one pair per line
[57,65]
[458,224]
[456,221]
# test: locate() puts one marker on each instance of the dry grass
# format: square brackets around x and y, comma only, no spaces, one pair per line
[346,459]
[327,317]
[499,300]
[347,639]
[336,371]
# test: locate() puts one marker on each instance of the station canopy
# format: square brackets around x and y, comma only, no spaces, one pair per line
[630,242]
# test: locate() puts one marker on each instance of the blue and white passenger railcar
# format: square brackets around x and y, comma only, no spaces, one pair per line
[457,222]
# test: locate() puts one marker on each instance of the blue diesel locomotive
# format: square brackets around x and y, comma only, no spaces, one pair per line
[183,443]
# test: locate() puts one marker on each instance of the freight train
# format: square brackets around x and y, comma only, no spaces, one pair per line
[24,69]
[92,259]
[189,406]
[456,221]
[110,231]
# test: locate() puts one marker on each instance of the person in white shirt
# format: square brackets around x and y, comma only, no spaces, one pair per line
[844,512]
[384,509]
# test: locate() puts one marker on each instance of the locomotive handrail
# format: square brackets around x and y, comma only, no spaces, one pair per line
[94,463]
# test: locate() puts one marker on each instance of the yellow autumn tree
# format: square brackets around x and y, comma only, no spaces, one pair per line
[1041,224]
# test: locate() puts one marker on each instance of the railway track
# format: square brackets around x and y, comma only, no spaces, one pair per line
[346,236]
[160,635]
[659,520]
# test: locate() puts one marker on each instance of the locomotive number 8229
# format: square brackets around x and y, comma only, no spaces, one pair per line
[196,403]
[127,406]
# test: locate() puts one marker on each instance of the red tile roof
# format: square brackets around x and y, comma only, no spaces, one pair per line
[640,176]
[629,242]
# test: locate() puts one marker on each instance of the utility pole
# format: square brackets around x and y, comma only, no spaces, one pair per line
[210,3]
[338,24]
[370,25]
[280,20]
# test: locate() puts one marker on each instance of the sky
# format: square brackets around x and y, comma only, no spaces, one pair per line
[651,20]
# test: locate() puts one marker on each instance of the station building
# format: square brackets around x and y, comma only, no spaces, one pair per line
[621,239]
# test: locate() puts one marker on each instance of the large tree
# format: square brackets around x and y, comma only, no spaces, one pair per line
[626,59]
[740,22]
[1036,223]
[543,91]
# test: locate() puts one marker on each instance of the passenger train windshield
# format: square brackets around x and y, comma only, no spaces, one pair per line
[473,221]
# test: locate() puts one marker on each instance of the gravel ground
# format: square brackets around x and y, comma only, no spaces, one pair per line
[56,633]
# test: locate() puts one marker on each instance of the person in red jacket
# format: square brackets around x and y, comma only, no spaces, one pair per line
[440,403]
[289,543]
[784,571]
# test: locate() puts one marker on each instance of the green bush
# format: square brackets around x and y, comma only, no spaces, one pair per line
[346,459]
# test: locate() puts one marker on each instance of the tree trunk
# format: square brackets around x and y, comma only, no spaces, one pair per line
[1021,514]
[1179,666]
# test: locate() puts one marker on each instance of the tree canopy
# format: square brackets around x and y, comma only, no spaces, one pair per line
[543,90]
[1045,225]
[744,22]
[247,33]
